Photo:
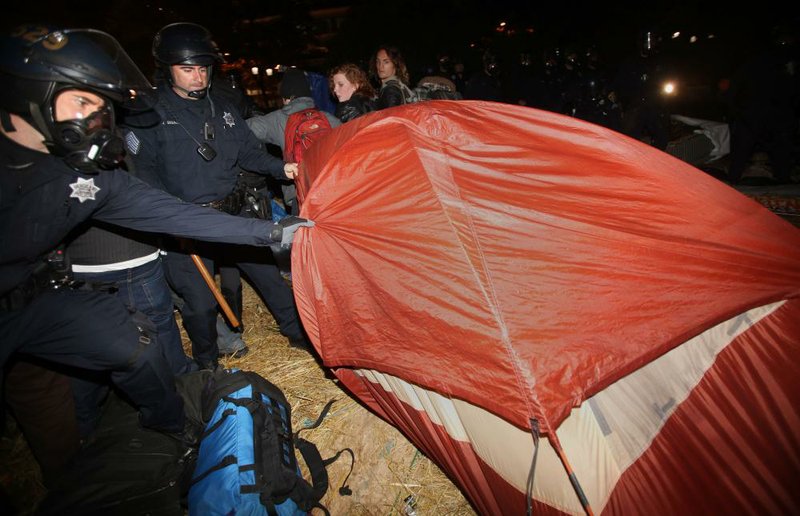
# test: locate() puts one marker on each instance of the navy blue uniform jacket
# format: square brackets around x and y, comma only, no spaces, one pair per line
[42,199]
[166,154]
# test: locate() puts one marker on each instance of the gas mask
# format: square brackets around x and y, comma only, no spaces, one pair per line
[88,144]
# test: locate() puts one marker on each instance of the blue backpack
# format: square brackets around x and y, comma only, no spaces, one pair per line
[246,462]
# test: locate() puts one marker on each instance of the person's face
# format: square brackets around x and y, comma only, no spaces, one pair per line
[384,65]
[342,88]
[77,105]
[189,77]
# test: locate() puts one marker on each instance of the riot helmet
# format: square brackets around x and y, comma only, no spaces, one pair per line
[39,63]
[185,43]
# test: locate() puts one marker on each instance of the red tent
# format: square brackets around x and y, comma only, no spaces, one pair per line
[482,275]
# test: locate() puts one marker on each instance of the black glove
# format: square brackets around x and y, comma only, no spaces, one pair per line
[284,230]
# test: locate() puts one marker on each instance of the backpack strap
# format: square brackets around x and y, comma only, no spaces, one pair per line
[311,494]
[228,460]
[222,383]
[345,489]
[318,422]
[314,460]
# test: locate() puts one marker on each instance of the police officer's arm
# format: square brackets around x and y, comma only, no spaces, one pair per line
[254,157]
[131,203]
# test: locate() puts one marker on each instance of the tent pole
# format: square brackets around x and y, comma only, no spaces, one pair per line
[574,481]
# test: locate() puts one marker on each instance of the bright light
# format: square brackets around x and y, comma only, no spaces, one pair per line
[269,72]
[693,39]
[669,88]
[254,70]
[676,35]
[502,24]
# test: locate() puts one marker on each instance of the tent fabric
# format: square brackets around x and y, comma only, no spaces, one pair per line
[520,261]
[702,441]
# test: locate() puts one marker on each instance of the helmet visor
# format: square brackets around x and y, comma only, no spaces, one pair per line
[92,59]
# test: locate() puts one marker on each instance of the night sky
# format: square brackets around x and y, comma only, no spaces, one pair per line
[425,28]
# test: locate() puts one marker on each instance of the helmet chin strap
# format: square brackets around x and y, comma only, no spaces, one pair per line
[39,121]
[194,94]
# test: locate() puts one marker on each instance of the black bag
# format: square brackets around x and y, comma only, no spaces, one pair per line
[123,469]
[246,462]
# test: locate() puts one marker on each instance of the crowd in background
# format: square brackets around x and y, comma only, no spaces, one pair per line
[759,99]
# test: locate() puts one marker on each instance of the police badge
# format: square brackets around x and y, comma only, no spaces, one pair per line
[84,189]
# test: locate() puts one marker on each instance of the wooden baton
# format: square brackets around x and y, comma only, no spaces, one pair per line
[214,290]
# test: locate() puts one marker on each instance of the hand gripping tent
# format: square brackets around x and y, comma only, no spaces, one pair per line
[556,314]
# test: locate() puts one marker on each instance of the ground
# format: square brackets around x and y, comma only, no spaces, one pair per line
[390,476]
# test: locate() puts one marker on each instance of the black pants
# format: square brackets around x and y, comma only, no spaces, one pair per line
[40,399]
[199,311]
[94,331]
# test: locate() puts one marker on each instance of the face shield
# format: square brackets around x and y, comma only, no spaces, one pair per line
[90,59]
[48,65]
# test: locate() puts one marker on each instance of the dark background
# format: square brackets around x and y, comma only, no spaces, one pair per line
[297,32]
[419,27]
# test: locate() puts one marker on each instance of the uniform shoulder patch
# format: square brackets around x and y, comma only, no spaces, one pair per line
[132,143]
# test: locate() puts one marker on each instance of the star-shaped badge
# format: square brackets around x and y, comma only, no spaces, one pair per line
[84,189]
[228,118]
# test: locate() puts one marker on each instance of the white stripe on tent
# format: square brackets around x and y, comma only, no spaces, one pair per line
[602,437]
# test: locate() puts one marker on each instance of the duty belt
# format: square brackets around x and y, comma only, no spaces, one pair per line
[42,280]
[217,205]
[231,204]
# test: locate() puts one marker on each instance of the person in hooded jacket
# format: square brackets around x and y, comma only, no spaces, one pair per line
[295,90]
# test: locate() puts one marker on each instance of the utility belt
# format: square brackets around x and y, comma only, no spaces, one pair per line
[255,192]
[51,274]
[254,200]
[232,204]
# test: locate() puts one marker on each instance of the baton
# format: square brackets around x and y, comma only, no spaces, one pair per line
[214,290]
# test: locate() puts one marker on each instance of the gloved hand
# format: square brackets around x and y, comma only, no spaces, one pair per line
[284,230]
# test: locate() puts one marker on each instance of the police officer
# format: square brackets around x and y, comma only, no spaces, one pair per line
[58,156]
[193,153]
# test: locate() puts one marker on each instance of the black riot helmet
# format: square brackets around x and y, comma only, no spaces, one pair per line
[37,63]
[185,43]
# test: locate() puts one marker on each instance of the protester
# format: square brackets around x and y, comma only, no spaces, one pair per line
[351,87]
[389,67]
[295,91]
